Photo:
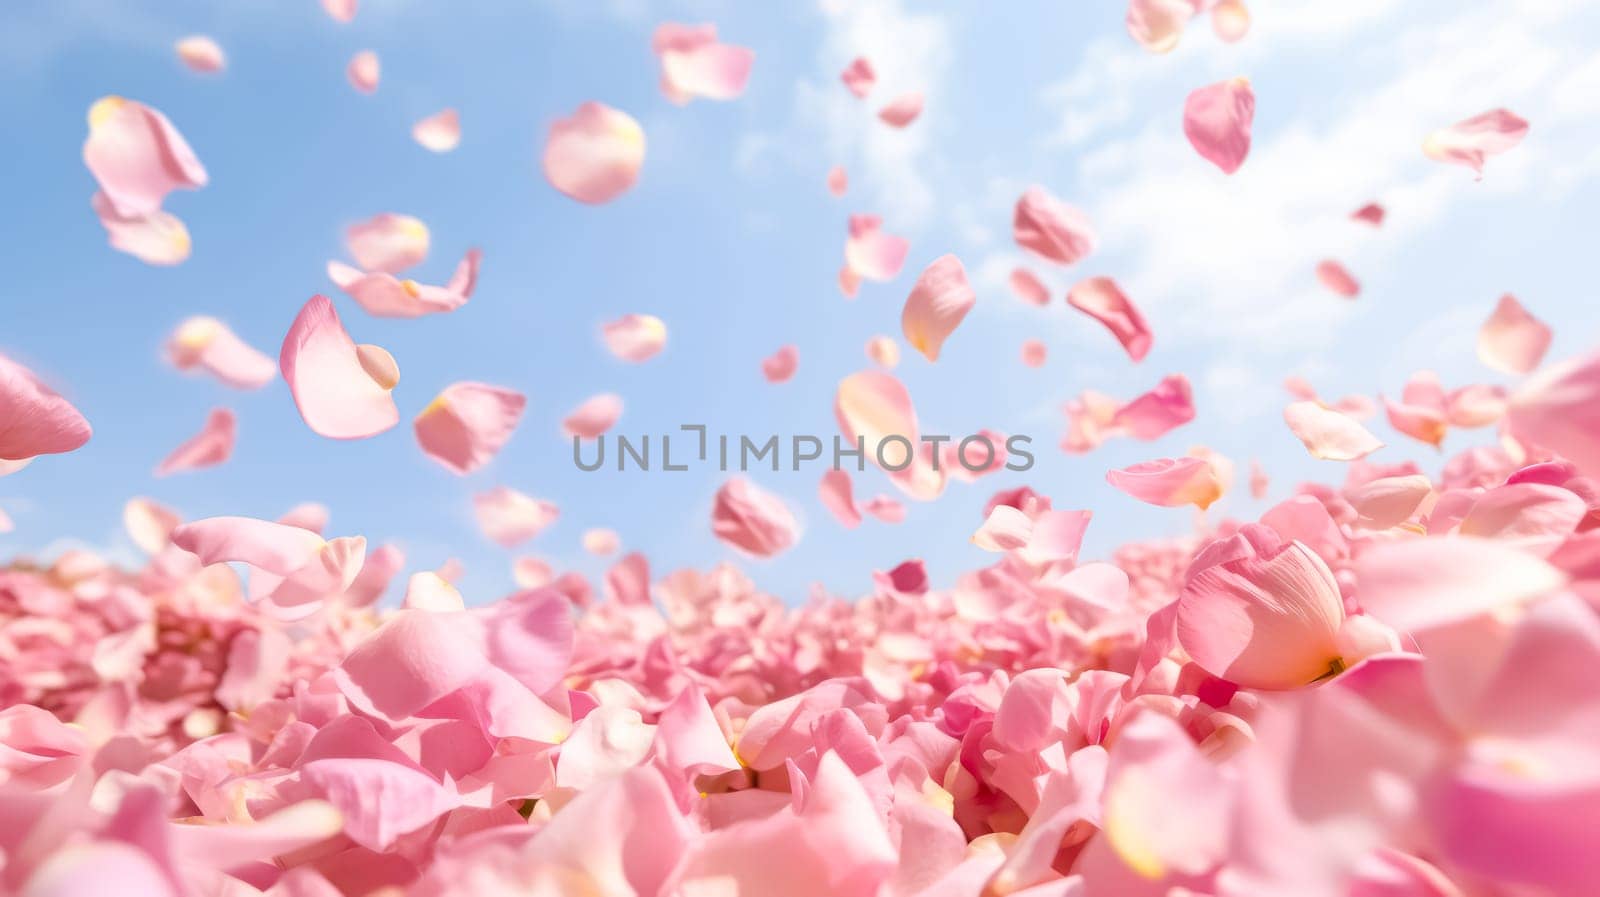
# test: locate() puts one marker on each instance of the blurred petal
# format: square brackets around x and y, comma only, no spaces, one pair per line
[1217,120]
[635,338]
[208,448]
[1169,482]
[1230,20]
[364,71]
[1332,275]
[871,254]
[838,180]
[440,132]
[340,10]
[836,492]
[149,524]
[694,64]
[1512,341]
[1051,229]
[939,301]
[155,238]
[883,351]
[1371,213]
[780,365]
[752,520]
[208,344]
[1100,298]
[1158,24]
[1327,434]
[858,77]
[509,517]
[467,424]
[201,54]
[595,155]
[1473,141]
[388,242]
[601,542]
[1034,353]
[594,416]
[34,420]
[1029,288]
[902,110]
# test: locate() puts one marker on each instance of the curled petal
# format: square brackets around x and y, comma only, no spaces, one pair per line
[1557,409]
[388,242]
[752,520]
[329,377]
[1170,482]
[208,448]
[902,110]
[1050,228]
[1327,434]
[1100,298]
[208,344]
[34,419]
[939,301]
[137,156]
[201,54]
[858,77]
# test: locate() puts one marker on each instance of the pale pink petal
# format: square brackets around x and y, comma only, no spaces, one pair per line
[414,659]
[1424,423]
[388,242]
[872,406]
[1170,482]
[341,389]
[340,10]
[1217,120]
[1005,529]
[1051,229]
[1327,434]
[431,592]
[1158,24]
[1534,516]
[838,180]
[1422,583]
[149,524]
[849,282]
[885,509]
[858,77]
[6,525]
[34,420]
[1371,213]
[509,517]
[1472,141]
[1029,288]
[1388,501]
[902,110]
[871,254]
[272,547]
[201,54]
[1261,612]
[1333,275]
[836,492]
[440,132]
[1100,298]
[1512,341]
[137,156]
[694,64]
[383,295]
[752,520]
[781,365]
[208,344]
[208,448]
[635,338]
[595,155]
[1167,406]
[308,515]
[1478,405]
[531,573]
[594,416]
[468,423]
[1230,20]
[1034,353]
[1556,409]
[883,351]
[939,301]
[601,542]
[155,238]
[364,71]
[1259,481]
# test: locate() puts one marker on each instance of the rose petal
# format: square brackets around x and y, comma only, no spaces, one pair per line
[137,156]
[1472,141]
[332,384]
[939,301]
[858,77]
[1170,482]
[509,517]
[1512,341]
[34,419]
[208,344]
[1333,275]
[902,110]
[1051,229]
[467,423]
[364,71]
[1327,434]
[781,365]
[1217,119]
[752,520]
[1100,298]
[594,416]
[208,448]
[595,155]
[439,132]
[201,54]
[635,338]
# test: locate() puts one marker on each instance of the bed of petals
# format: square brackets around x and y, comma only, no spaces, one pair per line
[1380,688]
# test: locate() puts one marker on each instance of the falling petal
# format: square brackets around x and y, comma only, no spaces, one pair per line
[938,303]
[364,71]
[1217,120]
[858,77]
[1512,341]
[902,110]
[208,448]
[1327,434]
[1052,229]
[780,365]
[331,381]
[467,424]
[635,338]
[595,155]
[440,132]
[201,54]
[1473,141]
[594,416]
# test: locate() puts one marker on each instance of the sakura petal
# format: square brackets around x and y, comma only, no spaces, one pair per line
[780,365]
[440,132]
[858,77]
[1371,213]
[137,156]
[509,517]
[1556,409]
[836,490]
[601,542]
[635,338]
[594,416]
[1327,434]
[1170,482]
[149,524]
[1051,229]
[1473,141]
[1512,341]
[332,389]
[939,301]
[467,424]
[838,180]
[1034,353]
[388,242]
[1334,276]
[752,520]
[871,254]
[902,110]
[208,344]
[883,351]
[694,64]
[208,448]
[1158,24]
[1422,583]
[1029,288]
[595,155]
[364,71]
[1217,120]
[1100,298]
[155,238]
[340,10]
[34,420]
[1230,20]
[201,54]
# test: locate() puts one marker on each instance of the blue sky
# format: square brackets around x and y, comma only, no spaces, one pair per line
[731,238]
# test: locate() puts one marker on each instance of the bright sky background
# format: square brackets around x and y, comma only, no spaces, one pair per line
[732,239]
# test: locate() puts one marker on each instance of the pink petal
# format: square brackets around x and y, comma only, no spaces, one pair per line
[1556,409]
[414,659]
[137,156]
[1535,516]
[467,424]
[149,524]
[383,295]
[1034,353]
[307,515]
[440,132]
[1230,20]
[1327,434]
[208,344]
[201,54]
[1371,213]
[885,509]
[1170,482]
[873,408]
[341,389]
[1472,141]
[1157,24]
[509,517]
[1422,583]
[1261,612]
[1169,405]
[1512,341]
[1259,481]
[902,110]
[595,416]
[1029,288]
[836,490]
[1388,501]
[883,351]
[1217,119]
[155,238]
[340,10]
[635,338]
[380,800]
[849,282]
[208,448]
[275,548]
[1100,298]
[871,254]
[1052,229]
[752,520]
[939,301]
[694,64]
[34,420]
[1334,276]
[387,242]
[780,365]
[1424,423]
[364,71]
[1478,405]
[838,180]
[858,77]
[595,155]
[601,542]
[1005,529]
